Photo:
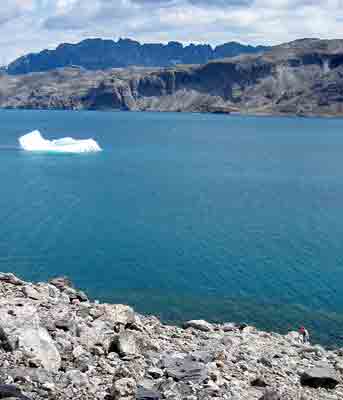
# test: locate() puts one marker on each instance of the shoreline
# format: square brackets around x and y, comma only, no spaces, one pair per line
[56,344]
[244,113]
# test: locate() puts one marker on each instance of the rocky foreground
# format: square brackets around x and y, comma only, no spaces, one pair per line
[57,344]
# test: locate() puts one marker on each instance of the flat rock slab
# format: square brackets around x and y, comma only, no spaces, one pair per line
[144,394]
[185,370]
[324,377]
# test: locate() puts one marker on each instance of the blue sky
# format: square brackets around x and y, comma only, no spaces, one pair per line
[31,25]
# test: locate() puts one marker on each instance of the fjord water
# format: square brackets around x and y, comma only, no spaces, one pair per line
[183,215]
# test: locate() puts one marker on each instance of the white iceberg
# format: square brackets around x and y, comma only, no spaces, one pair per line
[34,141]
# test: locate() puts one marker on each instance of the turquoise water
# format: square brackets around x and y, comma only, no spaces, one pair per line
[183,215]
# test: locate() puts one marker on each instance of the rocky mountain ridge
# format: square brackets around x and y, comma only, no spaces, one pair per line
[57,344]
[304,77]
[96,54]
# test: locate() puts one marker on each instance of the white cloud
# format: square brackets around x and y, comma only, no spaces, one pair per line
[31,25]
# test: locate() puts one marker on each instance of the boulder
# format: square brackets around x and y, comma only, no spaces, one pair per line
[270,395]
[11,391]
[65,285]
[145,394]
[186,370]
[20,329]
[118,315]
[155,372]
[124,389]
[61,282]
[324,377]
[200,325]
[230,327]
[32,293]
[258,382]
[97,333]
[124,344]
[10,278]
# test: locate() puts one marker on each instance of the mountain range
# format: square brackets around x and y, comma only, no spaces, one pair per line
[304,77]
[99,54]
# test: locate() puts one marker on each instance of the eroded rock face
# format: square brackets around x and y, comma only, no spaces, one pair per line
[56,347]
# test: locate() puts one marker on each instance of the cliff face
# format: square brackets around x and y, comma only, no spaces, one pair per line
[57,344]
[302,77]
[94,54]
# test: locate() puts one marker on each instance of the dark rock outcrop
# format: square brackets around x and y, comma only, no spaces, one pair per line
[11,391]
[325,377]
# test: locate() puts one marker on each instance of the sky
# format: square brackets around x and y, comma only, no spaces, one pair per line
[32,25]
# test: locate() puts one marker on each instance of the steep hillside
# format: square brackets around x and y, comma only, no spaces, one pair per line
[303,77]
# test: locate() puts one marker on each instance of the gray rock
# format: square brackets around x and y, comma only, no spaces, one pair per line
[229,327]
[20,329]
[320,377]
[118,314]
[258,382]
[185,370]
[61,282]
[155,372]
[200,325]
[7,391]
[144,394]
[77,378]
[124,389]
[31,292]
[270,395]
[10,278]
[124,344]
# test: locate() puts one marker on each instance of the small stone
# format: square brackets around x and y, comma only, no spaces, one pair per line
[78,351]
[49,386]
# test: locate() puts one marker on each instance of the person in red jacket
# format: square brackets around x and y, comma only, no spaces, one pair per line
[304,334]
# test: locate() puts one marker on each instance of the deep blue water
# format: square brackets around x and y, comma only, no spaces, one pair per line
[183,215]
